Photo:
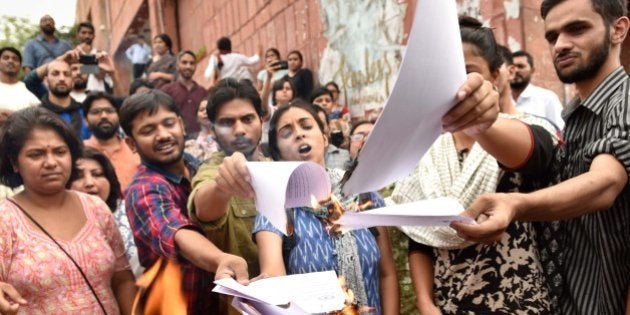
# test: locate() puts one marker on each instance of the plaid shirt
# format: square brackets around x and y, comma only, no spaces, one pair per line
[156,206]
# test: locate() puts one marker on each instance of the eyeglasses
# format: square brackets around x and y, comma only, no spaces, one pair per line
[359,137]
[98,111]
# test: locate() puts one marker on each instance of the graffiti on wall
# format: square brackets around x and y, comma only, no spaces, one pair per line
[364,49]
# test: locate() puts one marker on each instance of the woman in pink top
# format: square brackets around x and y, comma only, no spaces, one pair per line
[60,251]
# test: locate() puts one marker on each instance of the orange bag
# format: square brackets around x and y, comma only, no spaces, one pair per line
[160,290]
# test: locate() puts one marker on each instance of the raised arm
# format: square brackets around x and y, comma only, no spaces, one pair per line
[213,189]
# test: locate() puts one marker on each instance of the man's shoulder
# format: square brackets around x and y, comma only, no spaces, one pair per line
[147,177]
[29,44]
[63,42]
[17,86]
[168,87]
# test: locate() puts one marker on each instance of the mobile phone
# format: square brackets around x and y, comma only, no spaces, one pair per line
[88,60]
[89,64]
[281,64]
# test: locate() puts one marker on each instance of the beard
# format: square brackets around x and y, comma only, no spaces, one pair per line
[48,30]
[104,131]
[59,92]
[10,73]
[519,82]
[79,84]
[186,74]
[592,67]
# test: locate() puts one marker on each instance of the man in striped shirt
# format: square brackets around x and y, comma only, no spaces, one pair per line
[585,234]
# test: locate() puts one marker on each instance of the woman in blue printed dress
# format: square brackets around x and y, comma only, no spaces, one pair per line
[362,257]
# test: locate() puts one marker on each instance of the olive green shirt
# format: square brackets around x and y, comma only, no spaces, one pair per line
[232,233]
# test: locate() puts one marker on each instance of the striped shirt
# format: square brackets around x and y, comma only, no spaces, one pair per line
[587,259]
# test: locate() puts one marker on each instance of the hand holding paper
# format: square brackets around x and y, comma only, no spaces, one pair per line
[314,293]
[431,82]
[233,177]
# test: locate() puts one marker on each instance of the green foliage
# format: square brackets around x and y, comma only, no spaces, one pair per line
[16,31]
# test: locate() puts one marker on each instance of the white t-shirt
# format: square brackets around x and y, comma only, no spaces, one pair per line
[235,66]
[16,96]
[541,102]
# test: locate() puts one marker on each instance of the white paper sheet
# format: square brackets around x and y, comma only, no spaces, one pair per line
[430,75]
[280,185]
[317,292]
[434,212]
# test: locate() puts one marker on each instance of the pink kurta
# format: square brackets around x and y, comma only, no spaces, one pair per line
[46,277]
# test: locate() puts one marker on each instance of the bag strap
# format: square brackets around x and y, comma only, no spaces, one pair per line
[50,53]
[64,251]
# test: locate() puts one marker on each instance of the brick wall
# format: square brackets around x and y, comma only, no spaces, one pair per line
[313,27]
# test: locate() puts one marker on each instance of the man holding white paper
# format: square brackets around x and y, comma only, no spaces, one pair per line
[222,198]
[589,247]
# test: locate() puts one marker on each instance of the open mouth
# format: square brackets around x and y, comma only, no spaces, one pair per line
[304,149]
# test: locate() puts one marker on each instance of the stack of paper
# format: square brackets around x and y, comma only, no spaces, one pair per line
[309,293]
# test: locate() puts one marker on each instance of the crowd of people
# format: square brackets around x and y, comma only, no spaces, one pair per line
[98,186]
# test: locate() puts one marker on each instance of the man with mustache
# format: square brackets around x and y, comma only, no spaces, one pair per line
[101,115]
[186,93]
[45,47]
[585,230]
[56,97]
[227,215]
[531,98]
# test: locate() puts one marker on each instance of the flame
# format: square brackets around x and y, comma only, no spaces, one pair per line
[351,307]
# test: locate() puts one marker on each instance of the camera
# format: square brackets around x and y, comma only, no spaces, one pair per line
[89,64]
[281,64]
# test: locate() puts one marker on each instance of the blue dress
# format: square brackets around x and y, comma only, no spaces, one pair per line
[314,250]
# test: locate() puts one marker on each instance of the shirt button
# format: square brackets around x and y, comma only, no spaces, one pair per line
[243,212]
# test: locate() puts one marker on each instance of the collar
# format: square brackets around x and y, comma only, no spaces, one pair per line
[41,38]
[596,101]
[46,103]
[191,163]
[92,141]
[194,86]
[527,92]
